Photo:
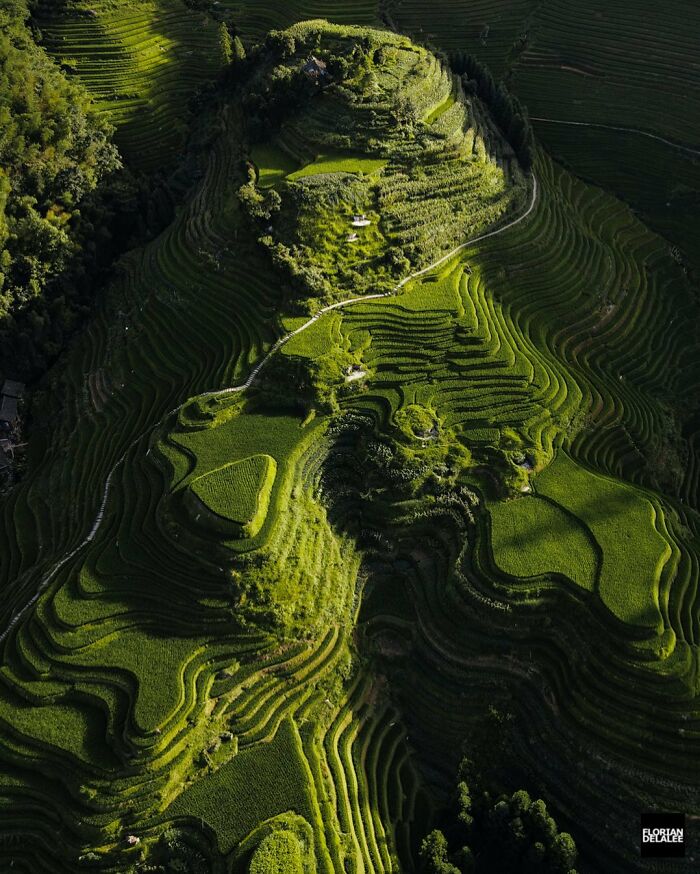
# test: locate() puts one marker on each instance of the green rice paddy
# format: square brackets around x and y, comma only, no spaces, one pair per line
[338,163]
[623,523]
[273,164]
[239,492]
[271,613]
[274,776]
[531,537]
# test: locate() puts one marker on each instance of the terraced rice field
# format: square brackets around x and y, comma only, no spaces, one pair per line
[602,62]
[486,28]
[484,345]
[645,60]
[142,63]
[617,64]
[498,514]
[358,192]
[568,63]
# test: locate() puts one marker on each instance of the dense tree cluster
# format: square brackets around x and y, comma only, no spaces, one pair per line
[259,205]
[54,150]
[506,109]
[68,208]
[485,832]
[177,851]
[270,99]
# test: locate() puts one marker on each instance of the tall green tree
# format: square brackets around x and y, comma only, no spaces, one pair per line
[483,831]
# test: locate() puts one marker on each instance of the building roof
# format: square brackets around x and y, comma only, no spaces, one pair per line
[315,67]
[8,409]
[13,388]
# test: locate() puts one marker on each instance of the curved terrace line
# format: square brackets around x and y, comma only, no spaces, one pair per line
[627,130]
[345,303]
[253,375]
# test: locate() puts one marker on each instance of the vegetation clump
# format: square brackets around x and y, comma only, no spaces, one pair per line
[507,110]
[279,853]
[54,151]
[397,163]
[485,831]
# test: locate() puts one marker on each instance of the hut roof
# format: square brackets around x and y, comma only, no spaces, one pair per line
[8,409]
[13,388]
[315,67]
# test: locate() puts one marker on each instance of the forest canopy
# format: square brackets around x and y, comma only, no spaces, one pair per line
[54,150]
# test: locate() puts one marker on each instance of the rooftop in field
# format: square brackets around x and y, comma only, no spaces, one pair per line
[315,68]
[8,409]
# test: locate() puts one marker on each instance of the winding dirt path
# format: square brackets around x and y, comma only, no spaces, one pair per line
[252,376]
[627,130]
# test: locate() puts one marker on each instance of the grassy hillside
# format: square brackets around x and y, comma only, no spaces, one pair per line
[281,557]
